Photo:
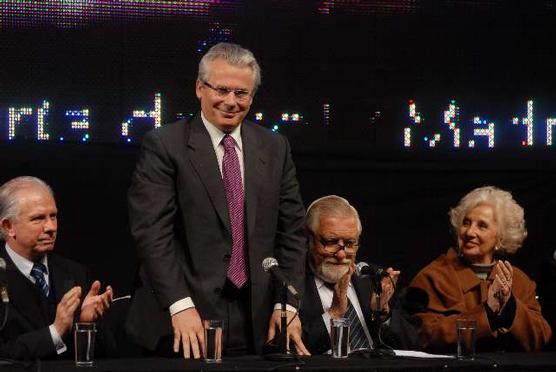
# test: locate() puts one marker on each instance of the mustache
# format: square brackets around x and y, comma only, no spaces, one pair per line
[332,260]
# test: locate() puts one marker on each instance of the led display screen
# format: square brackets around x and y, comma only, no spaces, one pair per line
[379,75]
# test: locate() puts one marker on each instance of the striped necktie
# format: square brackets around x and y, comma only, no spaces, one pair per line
[357,337]
[38,272]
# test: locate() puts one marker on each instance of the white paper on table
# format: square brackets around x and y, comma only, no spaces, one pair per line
[422,355]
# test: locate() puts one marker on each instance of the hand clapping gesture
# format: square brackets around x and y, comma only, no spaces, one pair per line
[388,288]
[500,290]
[340,300]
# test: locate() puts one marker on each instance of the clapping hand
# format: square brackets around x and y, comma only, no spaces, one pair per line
[500,290]
[339,299]
[388,288]
[95,303]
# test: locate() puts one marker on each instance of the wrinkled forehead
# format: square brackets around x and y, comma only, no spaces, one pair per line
[219,68]
[484,207]
[32,195]
[343,225]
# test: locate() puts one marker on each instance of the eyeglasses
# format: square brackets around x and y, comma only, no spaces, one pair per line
[239,94]
[333,246]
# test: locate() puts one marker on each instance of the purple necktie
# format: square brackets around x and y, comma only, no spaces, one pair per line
[237,270]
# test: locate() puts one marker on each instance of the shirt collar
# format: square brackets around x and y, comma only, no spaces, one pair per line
[23,264]
[216,135]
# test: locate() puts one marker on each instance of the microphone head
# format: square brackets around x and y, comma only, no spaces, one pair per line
[269,263]
[362,269]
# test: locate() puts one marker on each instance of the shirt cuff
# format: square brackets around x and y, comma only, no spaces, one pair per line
[57,340]
[278,306]
[181,305]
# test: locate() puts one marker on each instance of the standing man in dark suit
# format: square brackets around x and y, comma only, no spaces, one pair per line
[45,289]
[209,200]
[332,291]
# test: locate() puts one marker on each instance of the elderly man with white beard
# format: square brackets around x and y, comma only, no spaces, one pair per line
[332,291]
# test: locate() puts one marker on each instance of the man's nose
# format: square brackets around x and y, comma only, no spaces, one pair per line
[230,99]
[341,254]
[50,225]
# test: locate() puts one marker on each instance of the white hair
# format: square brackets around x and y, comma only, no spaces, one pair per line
[330,206]
[508,214]
[9,195]
[234,55]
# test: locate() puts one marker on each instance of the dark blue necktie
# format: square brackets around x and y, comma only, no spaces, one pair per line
[38,272]
[357,337]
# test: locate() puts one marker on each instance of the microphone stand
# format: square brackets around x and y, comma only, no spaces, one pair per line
[379,347]
[5,308]
[5,302]
[279,351]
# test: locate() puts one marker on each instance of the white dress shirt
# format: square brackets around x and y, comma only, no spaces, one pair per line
[326,294]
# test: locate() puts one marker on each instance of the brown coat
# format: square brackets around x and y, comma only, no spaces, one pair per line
[454,291]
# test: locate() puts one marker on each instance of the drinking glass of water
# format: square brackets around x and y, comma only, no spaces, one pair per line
[466,329]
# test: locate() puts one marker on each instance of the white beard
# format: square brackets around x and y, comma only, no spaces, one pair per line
[329,270]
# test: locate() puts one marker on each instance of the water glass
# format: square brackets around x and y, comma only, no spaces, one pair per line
[213,341]
[84,338]
[339,337]
[466,330]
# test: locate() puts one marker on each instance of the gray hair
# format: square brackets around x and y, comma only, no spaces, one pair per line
[508,214]
[330,206]
[233,54]
[9,201]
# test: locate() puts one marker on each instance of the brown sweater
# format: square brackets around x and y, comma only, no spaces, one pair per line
[454,291]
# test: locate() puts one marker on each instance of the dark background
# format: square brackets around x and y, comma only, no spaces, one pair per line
[403,202]
[367,59]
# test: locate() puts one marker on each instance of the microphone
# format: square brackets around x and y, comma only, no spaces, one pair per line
[363,270]
[270,264]
[3,282]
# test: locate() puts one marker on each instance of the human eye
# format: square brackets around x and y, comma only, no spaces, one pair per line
[466,222]
[37,218]
[240,93]
[222,91]
[329,242]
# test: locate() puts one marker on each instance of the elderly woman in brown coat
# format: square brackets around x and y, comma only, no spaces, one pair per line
[470,281]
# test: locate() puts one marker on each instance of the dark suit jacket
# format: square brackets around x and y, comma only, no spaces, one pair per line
[398,334]
[547,296]
[179,221]
[26,334]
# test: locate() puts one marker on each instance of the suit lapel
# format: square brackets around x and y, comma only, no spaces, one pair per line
[254,161]
[312,302]
[25,296]
[363,289]
[60,280]
[204,161]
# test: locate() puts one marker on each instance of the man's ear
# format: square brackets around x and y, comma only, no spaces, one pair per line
[7,227]
[198,87]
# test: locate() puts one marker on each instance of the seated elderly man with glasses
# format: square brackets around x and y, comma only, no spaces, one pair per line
[332,291]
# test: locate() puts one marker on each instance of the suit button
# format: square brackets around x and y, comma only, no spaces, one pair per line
[226,257]
[217,290]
